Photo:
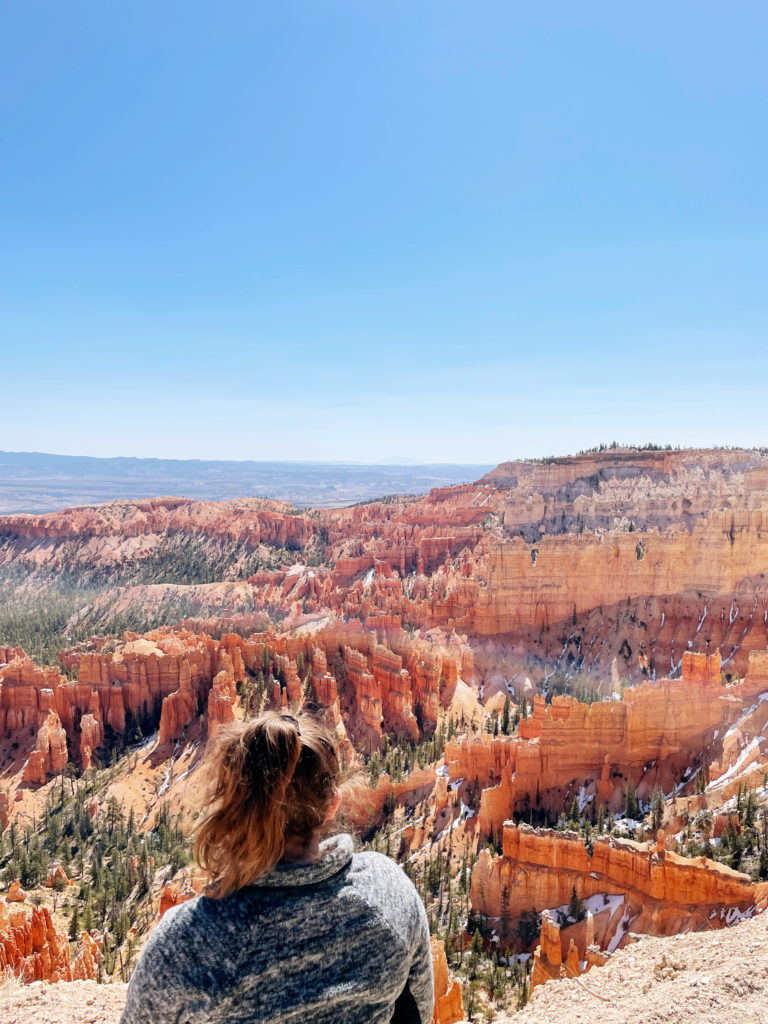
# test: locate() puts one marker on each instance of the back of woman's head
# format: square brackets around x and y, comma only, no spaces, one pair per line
[275,781]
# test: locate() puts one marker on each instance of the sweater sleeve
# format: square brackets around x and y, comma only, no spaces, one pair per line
[157,991]
[420,988]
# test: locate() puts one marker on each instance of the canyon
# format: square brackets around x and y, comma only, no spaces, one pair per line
[503,662]
[627,555]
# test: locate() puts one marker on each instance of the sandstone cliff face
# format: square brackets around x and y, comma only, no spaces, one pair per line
[619,554]
[661,892]
[248,520]
[649,738]
[448,1003]
[25,692]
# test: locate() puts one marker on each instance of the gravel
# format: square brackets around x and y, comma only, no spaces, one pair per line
[715,977]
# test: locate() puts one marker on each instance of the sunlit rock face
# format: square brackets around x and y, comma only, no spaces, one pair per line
[622,554]
[647,738]
[627,885]
[32,949]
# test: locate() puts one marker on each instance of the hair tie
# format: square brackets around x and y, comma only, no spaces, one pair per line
[294,722]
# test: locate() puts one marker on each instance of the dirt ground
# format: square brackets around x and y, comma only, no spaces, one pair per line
[718,977]
[74,1002]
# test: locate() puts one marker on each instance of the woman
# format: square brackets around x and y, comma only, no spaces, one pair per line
[292,929]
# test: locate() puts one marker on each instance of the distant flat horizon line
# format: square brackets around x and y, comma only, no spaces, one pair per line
[397,462]
[391,463]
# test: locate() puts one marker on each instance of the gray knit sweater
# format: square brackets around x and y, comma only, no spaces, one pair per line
[342,940]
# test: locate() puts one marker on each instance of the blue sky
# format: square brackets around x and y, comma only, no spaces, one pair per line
[448,231]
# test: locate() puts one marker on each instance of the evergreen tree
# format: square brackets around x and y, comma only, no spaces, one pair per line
[577,908]
[600,819]
[657,809]
[505,716]
[575,817]
[74,924]
[631,805]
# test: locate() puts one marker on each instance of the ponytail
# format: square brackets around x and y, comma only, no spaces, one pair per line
[275,779]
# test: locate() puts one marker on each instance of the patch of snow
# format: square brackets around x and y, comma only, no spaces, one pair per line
[701,620]
[626,825]
[620,932]
[519,958]
[584,799]
[730,656]
[734,915]
[738,763]
[508,682]
[185,774]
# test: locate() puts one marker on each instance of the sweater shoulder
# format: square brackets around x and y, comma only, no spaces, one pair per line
[386,887]
[379,864]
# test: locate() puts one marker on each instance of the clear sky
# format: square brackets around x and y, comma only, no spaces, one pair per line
[452,231]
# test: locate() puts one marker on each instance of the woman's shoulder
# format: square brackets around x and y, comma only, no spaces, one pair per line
[378,863]
[384,883]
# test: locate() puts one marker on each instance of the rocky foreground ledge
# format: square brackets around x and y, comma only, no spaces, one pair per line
[704,978]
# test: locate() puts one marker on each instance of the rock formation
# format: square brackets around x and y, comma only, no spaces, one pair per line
[50,754]
[641,885]
[107,530]
[173,895]
[15,893]
[620,555]
[649,738]
[448,1003]
[56,873]
[32,949]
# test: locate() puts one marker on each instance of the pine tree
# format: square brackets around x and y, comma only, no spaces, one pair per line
[522,996]
[74,924]
[574,816]
[505,716]
[631,806]
[577,909]
[657,809]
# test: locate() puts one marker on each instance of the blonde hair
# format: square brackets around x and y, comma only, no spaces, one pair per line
[275,780]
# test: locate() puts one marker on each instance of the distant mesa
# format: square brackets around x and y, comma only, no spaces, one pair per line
[38,482]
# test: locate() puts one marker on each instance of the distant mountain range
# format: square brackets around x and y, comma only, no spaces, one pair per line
[40,482]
